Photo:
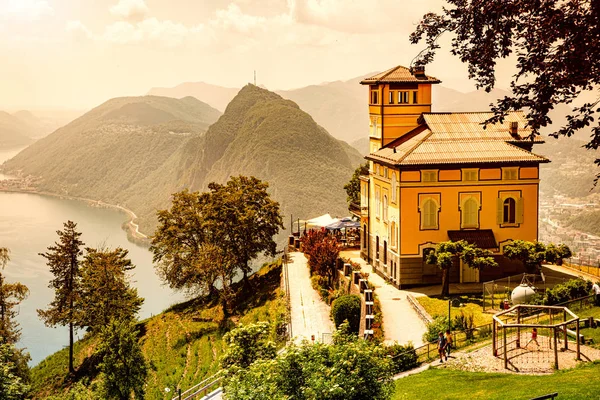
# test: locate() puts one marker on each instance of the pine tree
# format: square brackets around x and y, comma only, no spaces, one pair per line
[105,290]
[63,259]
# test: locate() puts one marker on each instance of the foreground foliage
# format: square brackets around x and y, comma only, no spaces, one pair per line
[12,384]
[11,295]
[349,369]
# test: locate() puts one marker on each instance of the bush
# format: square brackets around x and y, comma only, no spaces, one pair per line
[570,290]
[439,324]
[466,323]
[403,357]
[347,308]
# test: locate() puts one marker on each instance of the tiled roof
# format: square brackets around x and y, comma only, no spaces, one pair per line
[458,139]
[482,238]
[464,125]
[398,74]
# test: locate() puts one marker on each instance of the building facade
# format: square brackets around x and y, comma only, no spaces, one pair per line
[435,177]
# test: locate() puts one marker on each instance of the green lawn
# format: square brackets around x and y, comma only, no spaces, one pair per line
[472,305]
[439,384]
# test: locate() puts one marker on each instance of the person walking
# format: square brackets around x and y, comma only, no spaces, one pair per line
[442,346]
[596,290]
[449,342]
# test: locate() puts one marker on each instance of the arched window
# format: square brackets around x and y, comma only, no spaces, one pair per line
[510,208]
[394,187]
[385,208]
[470,213]
[430,214]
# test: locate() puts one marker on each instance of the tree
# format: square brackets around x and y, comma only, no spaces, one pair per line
[11,295]
[353,187]
[322,250]
[347,308]
[123,365]
[12,384]
[239,218]
[557,45]
[63,259]
[533,254]
[246,345]
[105,290]
[245,218]
[349,369]
[446,252]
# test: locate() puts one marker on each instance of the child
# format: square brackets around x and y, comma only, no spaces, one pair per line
[533,337]
[442,346]
[449,341]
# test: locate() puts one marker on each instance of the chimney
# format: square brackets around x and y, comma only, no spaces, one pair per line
[514,130]
[418,71]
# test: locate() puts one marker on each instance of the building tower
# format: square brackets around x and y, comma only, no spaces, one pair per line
[397,97]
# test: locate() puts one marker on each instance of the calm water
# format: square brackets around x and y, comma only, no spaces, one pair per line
[28,225]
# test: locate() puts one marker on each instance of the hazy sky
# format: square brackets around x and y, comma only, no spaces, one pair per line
[79,53]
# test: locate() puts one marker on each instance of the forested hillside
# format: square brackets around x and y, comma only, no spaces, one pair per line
[137,151]
[14,132]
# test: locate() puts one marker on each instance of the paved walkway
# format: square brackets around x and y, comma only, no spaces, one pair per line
[310,315]
[401,323]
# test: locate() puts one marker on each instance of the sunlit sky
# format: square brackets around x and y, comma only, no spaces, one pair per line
[78,53]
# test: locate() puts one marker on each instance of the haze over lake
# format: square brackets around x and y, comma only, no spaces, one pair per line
[28,225]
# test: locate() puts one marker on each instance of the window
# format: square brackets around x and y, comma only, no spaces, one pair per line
[374,97]
[385,172]
[470,175]
[429,214]
[470,213]
[429,176]
[365,236]
[509,211]
[394,187]
[393,234]
[377,247]
[510,174]
[403,97]
[385,208]
[414,97]
[391,97]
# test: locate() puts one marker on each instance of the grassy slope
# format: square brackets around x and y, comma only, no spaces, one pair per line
[471,306]
[440,384]
[182,345]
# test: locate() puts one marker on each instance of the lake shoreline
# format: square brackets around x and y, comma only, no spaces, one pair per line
[129,226]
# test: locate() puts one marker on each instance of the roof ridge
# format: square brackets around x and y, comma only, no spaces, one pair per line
[389,71]
[409,151]
[526,151]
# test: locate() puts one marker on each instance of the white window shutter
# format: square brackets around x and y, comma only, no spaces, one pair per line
[499,211]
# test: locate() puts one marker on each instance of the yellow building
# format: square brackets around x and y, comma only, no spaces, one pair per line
[441,176]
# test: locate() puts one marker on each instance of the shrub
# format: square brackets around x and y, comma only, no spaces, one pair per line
[347,308]
[403,357]
[569,290]
[466,323]
[439,324]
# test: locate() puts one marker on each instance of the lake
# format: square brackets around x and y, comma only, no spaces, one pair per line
[28,225]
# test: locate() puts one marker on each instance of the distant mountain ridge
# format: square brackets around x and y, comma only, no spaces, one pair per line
[137,151]
[24,127]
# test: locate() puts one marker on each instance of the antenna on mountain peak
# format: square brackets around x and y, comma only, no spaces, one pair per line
[254,77]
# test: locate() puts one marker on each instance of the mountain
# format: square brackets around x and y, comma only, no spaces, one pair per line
[137,151]
[216,96]
[338,106]
[14,132]
[112,147]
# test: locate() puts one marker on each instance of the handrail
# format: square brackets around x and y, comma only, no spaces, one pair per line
[212,377]
[203,388]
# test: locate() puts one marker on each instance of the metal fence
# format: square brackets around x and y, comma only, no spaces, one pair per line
[583,267]
[498,290]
